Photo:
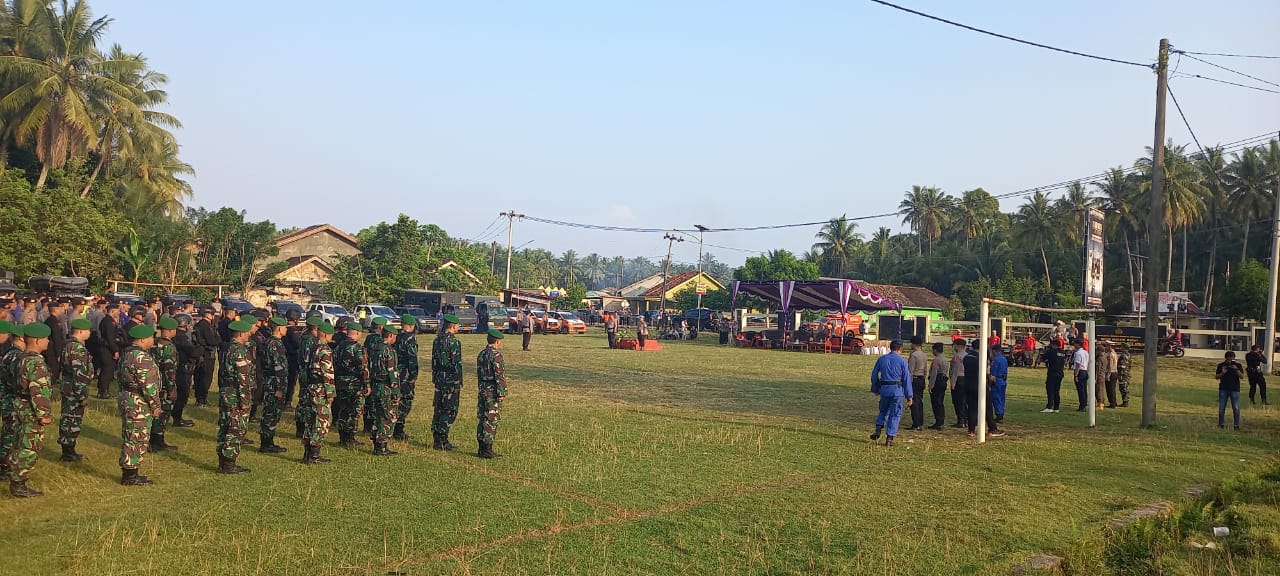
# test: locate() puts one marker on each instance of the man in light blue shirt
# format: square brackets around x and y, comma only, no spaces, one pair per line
[891,381]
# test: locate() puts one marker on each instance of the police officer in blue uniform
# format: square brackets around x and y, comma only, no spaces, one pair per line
[891,381]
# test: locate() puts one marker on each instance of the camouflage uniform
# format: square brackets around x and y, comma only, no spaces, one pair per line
[372,344]
[384,384]
[8,403]
[1123,364]
[166,359]
[492,384]
[308,342]
[446,374]
[140,384]
[318,393]
[406,368]
[235,381]
[257,341]
[33,408]
[77,374]
[275,377]
[351,376]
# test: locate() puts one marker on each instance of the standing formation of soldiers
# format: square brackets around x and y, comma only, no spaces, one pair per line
[160,359]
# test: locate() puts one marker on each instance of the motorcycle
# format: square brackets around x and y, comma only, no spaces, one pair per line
[1171,348]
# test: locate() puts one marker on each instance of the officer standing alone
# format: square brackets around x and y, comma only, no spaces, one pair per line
[491,381]
[891,381]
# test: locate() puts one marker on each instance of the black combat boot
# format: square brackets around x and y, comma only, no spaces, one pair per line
[19,489]
[298,433]
[253,413]
[269,446]
[445,444]
[228,466]
[69,454]
[399,434]
[486,451]
[876,435]
[159,445]
[888,441]
[180,422]
[380,449]
[130,477]
[348,441]
[436,442]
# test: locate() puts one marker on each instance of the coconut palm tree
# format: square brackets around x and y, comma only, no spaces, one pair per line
[974,214]
[838,240]
[1119,194]
[1217,201]
[1036,224]
[1249,186]
[1183,197]
[593,268]
[569,267]
[1072,210]
[926,210]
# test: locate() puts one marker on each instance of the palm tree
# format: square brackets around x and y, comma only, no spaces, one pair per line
[1183,197]
[1249,188]
[925,209]
[1035,223]
[1217,200]
[880,249]
[619,264]
[1073,210]
[593,268]
[1119,195]
[837,241]
[569,267]
[158,175]
[61,80]
[974,213]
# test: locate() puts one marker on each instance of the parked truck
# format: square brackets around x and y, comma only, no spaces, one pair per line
[435,302]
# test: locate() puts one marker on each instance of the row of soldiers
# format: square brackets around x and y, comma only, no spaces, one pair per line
[340,378]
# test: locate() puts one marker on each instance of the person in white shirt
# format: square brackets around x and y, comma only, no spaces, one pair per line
[1080,369]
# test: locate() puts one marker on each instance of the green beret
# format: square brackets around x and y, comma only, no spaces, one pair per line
[450,318]
[409,320]
[240,326]
[355,325]
[379,321]
[36,330]
[6,327]
[495,334]
[278,321]
[141,331]
[16,330]
[316,321]
[167,323]
[389,329]
[81,324]
[325,327]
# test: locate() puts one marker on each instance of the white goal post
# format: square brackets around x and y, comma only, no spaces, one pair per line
[984,329]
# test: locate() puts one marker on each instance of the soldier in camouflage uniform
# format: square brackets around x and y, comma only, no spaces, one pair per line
[384,384]
[274,361]
[141,383]
[77,374]
[11,346]
[446,375]
[308,341]
[1124,362]
[351,376]
[165,353]
[316,394]
[372,344]
[235,379]
[32,408]
[407,368]
[259,318]
[492,382]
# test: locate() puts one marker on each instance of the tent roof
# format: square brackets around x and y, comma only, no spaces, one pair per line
[842,295]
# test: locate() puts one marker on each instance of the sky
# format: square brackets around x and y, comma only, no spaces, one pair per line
[671,114]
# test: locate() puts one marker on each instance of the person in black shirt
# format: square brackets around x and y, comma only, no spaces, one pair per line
[1056,361]
[1256,361]
[971,384]
[1228,376]
[109,348]
[207,343]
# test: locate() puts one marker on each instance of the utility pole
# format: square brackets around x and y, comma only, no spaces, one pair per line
[662,308]
[701,229]
[511,217]
[1155,227]
[1269,346]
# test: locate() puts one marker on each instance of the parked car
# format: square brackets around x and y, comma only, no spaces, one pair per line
[329,311]
[170,299]
[425,323]
[366,312]
[282,307]
[544,323]
[569,322]
[241,305]
[697,317]
[129,298]
[513,321]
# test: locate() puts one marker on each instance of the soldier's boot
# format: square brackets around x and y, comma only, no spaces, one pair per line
[486,451]
[876,435]
[269,446]
[399,434]
[131,478]
[380,449]
[888,441]
[19,489]
[347,440]
[298,433]
[253,413]
[158,444]
[69,454]
[228,466]
[444,441]
[436,442]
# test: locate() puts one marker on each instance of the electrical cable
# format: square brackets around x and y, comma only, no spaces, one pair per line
[1232,55]
[1211,79]
[1220,67]
[1010,38]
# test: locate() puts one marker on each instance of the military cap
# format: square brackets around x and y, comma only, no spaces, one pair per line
[29,299]
[261,313]
[315,321]
[495,334]
[141,331]
[16,330]
[6,326]
[167,323]
[407,319]
[450,318]
[138,311]
[389,329]
[81,324]
[325,327]
[36,330]
[278,321]
[240,326]
[379,321]
[183,320]
[354,325]
[207,310]
[64,300]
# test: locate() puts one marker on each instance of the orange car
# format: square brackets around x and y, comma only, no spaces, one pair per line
[569,322]
[844,324]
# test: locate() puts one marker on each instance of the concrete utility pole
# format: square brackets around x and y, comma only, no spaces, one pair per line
[662,308]
[1155,243]
[511,217]
[701,229]
[1269,346]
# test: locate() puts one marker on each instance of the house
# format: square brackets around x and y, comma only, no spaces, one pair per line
[451,264]
[648,293]
[915,301]
[311,253]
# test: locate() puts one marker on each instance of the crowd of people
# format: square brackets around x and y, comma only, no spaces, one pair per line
[158,357]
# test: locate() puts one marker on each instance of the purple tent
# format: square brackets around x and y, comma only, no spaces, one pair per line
[842,295]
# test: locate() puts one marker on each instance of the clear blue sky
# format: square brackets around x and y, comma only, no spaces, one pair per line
[669,114]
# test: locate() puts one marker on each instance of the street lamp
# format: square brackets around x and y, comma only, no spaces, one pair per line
[701,229]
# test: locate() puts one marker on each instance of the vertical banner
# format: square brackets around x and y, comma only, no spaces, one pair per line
[1093,243]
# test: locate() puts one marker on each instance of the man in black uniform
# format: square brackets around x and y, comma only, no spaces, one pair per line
[137,317]
[57,338]
[1055,359]
[1256,363]
[188,359]
[109,348]
[207,343]
[293,352]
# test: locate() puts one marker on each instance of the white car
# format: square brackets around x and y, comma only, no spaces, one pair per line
[366,312]
[329,311]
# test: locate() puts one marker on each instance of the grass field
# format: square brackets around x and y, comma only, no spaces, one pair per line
[694,460]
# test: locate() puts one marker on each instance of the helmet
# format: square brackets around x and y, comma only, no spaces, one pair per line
[292,315]
[184,320]
[261,313]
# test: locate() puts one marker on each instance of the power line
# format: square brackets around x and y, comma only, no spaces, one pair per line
[1186,123]
[1186,75]
[1010,38]
[486,230]
[1220,67]
[1231,55]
